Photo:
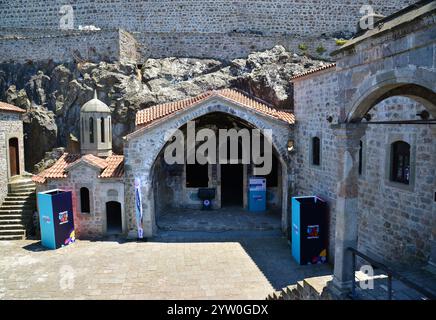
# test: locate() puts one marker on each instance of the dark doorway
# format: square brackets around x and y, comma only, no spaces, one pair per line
[232,177]
[14,157]
[113,217]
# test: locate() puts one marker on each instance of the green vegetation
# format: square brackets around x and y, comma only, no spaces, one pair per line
[341,42]
[303,47]
[320,50]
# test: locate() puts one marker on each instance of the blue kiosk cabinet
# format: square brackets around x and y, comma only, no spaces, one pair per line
[257,194]
[309,230]
[55,208]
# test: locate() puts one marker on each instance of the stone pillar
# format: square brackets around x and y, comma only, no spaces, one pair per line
[347,137]
[432,261]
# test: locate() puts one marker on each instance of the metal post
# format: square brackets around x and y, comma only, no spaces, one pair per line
[353,285]
[389,286]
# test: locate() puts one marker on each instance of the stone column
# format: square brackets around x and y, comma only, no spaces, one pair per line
[432,261]
[347,137]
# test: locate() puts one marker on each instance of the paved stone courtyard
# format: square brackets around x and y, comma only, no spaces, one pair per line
[239,265]
[225,219]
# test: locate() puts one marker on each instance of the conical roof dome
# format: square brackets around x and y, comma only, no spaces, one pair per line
[95,105]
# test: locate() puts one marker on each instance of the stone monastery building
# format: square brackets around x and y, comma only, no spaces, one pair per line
[361,135]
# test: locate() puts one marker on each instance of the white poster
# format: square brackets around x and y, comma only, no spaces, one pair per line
[138,208]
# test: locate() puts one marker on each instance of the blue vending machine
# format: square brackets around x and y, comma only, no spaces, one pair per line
[55,208]
[257,194]
[309,230]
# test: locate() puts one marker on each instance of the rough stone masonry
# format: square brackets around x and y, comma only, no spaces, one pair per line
[221,29]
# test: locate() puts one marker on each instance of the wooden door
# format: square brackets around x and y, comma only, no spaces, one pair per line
[14,157]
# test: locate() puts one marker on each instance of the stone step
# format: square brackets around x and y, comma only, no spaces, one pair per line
[21,218]
[13,197]
[7,226]
[21,183]
[6,212]
[13,220]
[22,190]
[13,185]
[9,202]
[29,195]
[13,232]
[11,237]
[23,207]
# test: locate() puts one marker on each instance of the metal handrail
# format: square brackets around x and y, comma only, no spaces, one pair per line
[390,273]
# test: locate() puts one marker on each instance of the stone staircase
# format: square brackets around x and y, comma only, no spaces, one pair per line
[313,288]
[307,289]
[16,211]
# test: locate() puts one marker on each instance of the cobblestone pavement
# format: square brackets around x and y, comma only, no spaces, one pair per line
[223,219]
[172,266]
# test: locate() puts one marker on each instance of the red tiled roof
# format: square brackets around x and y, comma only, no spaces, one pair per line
[115,167]
[327,66]
[149,115]
[57,171]
[92,160]
[10,108]
[112,166]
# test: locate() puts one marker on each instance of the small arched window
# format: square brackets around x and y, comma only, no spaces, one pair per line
[400,162]
[82,132]
[84,200]
[360,157]
[316,151]
[102,130]
[91,130]
[110,129]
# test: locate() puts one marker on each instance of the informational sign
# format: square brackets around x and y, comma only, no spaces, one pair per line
[256,194]
[138,208]
[257,184]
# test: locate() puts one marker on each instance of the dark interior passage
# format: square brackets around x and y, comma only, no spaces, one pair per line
[113,217]
[232,177]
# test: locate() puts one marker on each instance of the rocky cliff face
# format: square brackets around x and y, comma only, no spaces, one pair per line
[53,94]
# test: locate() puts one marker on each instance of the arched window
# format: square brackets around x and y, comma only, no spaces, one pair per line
[102,129]
[91,130]
[400,162]
[316,151]
[360,157]
[84,200]
[110,129]
[82,132]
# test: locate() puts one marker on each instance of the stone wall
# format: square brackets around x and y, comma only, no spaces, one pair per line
[11,126]
[67,46]
[191,28]
[315,99]
[224,46]
[262,16]
[93,224]
[394,222]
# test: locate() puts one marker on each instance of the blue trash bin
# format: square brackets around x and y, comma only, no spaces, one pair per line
[56,220]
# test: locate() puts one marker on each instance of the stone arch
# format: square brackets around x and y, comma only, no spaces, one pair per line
[418,84]
[280,136]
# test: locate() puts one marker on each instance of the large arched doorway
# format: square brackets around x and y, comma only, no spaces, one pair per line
[176,187]
[113,217]
[390,113]
[14,157]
